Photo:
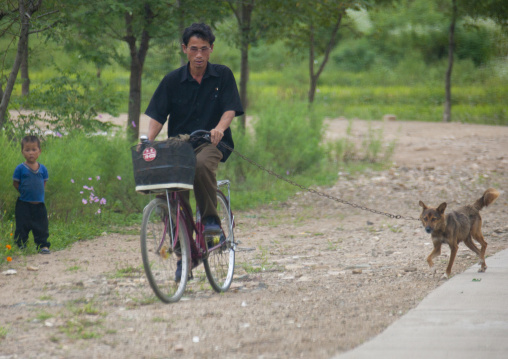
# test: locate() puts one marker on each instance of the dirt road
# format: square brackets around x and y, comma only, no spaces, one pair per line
[313,277]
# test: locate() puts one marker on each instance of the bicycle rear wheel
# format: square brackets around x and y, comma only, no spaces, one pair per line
[160,254]
[220,262]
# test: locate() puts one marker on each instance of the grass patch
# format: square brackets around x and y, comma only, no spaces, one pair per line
[42,316]
[81,328]
[127,272]
[88,309]
[3,332]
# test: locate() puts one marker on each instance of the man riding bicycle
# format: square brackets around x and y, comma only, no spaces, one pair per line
[199,96]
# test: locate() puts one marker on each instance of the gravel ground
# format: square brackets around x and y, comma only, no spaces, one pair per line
[313,277]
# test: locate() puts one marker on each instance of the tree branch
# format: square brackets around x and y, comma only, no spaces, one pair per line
[46,14]
[43,29]
[329,47]
[237,15]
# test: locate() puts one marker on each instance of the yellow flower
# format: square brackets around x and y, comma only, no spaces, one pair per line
[11,234]
[9,259]
[8,246]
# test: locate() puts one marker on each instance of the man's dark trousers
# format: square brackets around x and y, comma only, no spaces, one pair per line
[208,157]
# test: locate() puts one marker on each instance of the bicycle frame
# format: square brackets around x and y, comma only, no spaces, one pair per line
[197,242]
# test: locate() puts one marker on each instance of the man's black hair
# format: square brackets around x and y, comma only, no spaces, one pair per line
[201,31]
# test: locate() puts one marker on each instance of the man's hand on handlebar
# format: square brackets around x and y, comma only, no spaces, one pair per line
[216,135]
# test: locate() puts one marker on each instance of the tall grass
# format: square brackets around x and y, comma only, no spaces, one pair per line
[284,138]
[413,92]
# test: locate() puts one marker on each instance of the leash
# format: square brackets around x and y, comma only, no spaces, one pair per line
[322,194]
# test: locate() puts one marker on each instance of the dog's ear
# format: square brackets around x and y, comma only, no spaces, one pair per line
[441,207]
[423,205]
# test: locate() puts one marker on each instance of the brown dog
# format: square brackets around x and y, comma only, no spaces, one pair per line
[461,225]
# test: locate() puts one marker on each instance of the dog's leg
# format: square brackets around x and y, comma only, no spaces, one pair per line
[470,244]
[476,231]
[453,252]
[435,252]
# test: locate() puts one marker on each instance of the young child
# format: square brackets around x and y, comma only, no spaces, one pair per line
[30,180]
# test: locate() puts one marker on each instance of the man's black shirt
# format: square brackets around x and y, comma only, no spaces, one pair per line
[192,106]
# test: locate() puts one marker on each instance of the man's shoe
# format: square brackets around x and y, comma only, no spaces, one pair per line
[211,226]
[178,273]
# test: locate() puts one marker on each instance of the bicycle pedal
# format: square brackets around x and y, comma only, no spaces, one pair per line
[215,239]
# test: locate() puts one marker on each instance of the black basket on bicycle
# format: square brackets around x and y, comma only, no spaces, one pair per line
[163,165]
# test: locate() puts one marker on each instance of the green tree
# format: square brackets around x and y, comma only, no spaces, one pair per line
[494,9]
[136,24]
[497,10]
[447,114]
[256,19]
[25,11]
[102,25]
[316,26]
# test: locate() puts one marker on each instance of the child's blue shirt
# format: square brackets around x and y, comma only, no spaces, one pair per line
[31,183]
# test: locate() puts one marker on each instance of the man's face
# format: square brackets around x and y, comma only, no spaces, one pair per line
[198,52]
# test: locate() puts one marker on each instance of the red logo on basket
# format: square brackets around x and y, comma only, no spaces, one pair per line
[149,154]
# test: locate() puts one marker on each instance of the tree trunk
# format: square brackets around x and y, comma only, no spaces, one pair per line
[447,114]
[138,57]
[314,77]
[181,28]
[24,16]
[25,84]
[244,79]
[136,71]
[246,16]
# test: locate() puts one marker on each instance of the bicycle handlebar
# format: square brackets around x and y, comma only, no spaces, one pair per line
[201,134]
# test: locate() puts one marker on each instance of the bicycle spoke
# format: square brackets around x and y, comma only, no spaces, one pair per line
[160,256]
[220,263]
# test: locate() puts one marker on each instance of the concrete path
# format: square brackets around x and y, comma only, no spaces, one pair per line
[466,317]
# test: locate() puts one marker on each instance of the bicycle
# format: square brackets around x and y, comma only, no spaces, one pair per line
[169,233]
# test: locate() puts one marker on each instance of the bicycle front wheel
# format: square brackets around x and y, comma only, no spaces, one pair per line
[220,262]
[161,253]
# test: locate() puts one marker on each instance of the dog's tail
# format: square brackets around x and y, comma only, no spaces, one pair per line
[489,196]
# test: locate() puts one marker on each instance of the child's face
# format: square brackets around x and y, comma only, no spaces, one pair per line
[31,152]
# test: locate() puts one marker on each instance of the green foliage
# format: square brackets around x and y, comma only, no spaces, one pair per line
[3,332]
[421,26]
[372,150]
[475,44]
[10,158]
[357,56]
[288,136]
[65,104]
